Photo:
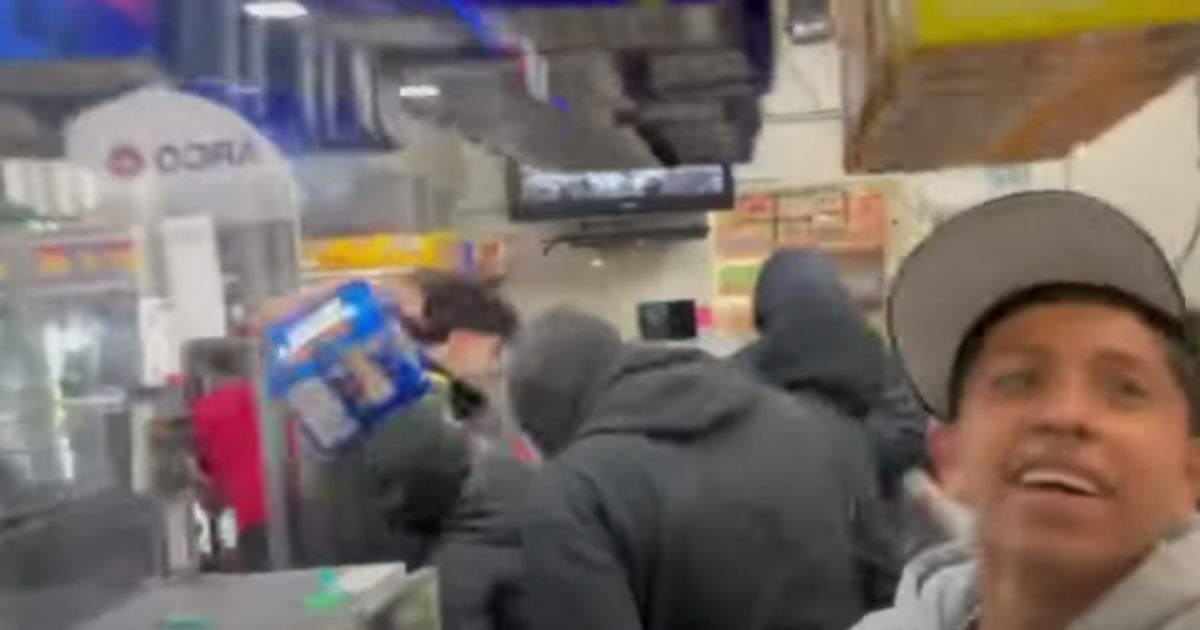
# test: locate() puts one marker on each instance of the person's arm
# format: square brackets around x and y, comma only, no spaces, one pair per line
[467,579]
[897,425]
[573,575]
[876,550]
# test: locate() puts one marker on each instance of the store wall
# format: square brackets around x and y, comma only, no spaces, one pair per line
[1150,167]
[611,283]
[678,271]
[801,141]
[607,283]
[535,282]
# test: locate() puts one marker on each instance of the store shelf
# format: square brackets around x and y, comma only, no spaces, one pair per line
[81,288]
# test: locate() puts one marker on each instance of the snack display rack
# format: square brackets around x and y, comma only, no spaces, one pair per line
[848,222]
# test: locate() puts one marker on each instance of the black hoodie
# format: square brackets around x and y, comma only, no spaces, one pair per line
[691,498]
[815,341]
[478,556]
[814,337]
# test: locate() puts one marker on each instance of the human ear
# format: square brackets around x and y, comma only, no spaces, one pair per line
[1193,467]
[944,451]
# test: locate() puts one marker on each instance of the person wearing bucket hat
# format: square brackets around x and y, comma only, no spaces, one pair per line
[1046,331]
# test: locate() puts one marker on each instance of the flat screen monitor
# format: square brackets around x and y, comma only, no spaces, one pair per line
[542,195]
[673,320]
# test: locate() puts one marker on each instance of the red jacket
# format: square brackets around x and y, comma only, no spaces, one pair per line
[229,449]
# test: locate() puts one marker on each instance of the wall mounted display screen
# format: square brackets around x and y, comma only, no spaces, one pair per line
[673,320]
[540,195]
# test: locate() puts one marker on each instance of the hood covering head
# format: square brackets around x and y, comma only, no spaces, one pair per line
[669,394]
[813,336]
[557,363]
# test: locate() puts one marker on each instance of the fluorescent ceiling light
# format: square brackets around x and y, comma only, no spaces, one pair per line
[275,9]
[425,90]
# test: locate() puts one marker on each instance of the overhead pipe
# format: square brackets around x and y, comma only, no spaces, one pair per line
[364,91]
[307,75]
[327,90]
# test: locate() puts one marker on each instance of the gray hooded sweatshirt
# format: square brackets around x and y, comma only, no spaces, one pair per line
[938,592]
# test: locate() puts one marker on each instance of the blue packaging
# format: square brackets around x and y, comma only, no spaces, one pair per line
[344,365]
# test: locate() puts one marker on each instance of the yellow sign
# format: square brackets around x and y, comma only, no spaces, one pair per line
[437,250]
[949,22]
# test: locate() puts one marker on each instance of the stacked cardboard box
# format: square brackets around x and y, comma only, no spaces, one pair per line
[935,83]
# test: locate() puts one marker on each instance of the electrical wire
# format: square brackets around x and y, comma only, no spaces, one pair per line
[1189,249]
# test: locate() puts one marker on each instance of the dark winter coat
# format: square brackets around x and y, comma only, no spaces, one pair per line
[413,492]
[689,497]
[460,496]
[815,341]
[381,500]
[479,555]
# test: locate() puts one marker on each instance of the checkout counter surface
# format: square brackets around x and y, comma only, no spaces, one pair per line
[377,597]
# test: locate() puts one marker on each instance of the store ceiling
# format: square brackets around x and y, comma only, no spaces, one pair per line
[555,83]
[597,87]
[37,98]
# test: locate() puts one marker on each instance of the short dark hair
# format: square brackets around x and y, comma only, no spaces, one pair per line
[458,302]
[1174,334]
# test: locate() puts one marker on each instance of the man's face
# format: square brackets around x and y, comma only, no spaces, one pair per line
[473,357]
[1072,440]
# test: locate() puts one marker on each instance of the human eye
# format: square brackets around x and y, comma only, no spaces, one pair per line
[1126,390]
[1015,380]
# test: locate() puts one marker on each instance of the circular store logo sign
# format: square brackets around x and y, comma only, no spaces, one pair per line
[126,161]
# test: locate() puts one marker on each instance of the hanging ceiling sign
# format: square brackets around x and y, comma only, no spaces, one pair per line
[176,154]
[191,157]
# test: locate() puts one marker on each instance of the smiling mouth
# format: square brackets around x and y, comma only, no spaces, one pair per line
[1060,480]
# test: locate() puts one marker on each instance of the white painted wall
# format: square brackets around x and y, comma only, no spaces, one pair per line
[1149,166]
[609,284]
[801,141]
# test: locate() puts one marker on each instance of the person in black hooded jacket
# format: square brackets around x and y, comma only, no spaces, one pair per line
[434,482]
[438,482]
[679,494]
[815,342]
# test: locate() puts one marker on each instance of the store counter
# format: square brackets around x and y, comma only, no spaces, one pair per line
[371,597]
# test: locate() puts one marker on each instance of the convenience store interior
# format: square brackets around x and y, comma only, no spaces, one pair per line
[168,166]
